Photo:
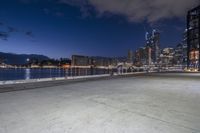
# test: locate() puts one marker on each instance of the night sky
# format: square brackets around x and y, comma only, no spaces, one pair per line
[60,28]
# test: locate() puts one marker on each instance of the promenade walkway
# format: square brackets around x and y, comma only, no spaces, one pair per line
[153,103]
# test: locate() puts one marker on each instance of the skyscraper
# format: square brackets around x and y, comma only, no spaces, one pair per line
[130,56]
[185,47]
[153,42]
[193,38]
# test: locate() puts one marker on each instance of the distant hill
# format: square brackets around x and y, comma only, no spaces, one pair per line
[20,59]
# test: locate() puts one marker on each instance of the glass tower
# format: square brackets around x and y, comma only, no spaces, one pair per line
[193,39]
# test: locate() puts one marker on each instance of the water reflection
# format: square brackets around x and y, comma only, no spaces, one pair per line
[27,74]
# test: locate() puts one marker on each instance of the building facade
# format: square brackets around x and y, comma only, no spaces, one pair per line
[185,47]
[79,60]
[180,56]
[193,38]
[167,57]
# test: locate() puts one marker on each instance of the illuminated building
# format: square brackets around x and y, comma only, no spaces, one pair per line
[79,60]
[193,38]
[185,47]
[143,56]
[153,42]
[167,57]
[96,61]
[180,56]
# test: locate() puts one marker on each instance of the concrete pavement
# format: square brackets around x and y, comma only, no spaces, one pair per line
[154,103]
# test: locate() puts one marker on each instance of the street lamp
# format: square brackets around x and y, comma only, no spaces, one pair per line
[28,61]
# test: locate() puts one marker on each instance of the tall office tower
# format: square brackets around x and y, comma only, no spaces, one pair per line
[185,47]
[193,38]
[130,56]
[153,41]
[156,45]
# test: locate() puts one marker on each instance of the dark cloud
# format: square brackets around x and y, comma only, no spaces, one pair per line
[74,2]
[54,12]
[3,35]
[7,30]
[12,29]
[29,33]
[139,10]
[134,10]
[82,4]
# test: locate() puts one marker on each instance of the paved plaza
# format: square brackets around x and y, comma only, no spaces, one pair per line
[154,103]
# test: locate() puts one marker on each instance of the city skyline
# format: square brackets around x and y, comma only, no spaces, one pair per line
[61,28]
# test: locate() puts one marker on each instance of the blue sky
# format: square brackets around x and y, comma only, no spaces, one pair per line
[60,28]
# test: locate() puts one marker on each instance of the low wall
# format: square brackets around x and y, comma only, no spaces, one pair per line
[51,79]
[10,82]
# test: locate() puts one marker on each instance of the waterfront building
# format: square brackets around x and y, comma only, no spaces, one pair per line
[130,56]
[101,61]
[143,56]
[95,61]
[193,38]
[149,53]
[153,42]
[185,48]
[178,55]
[167,57]
[79,60]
